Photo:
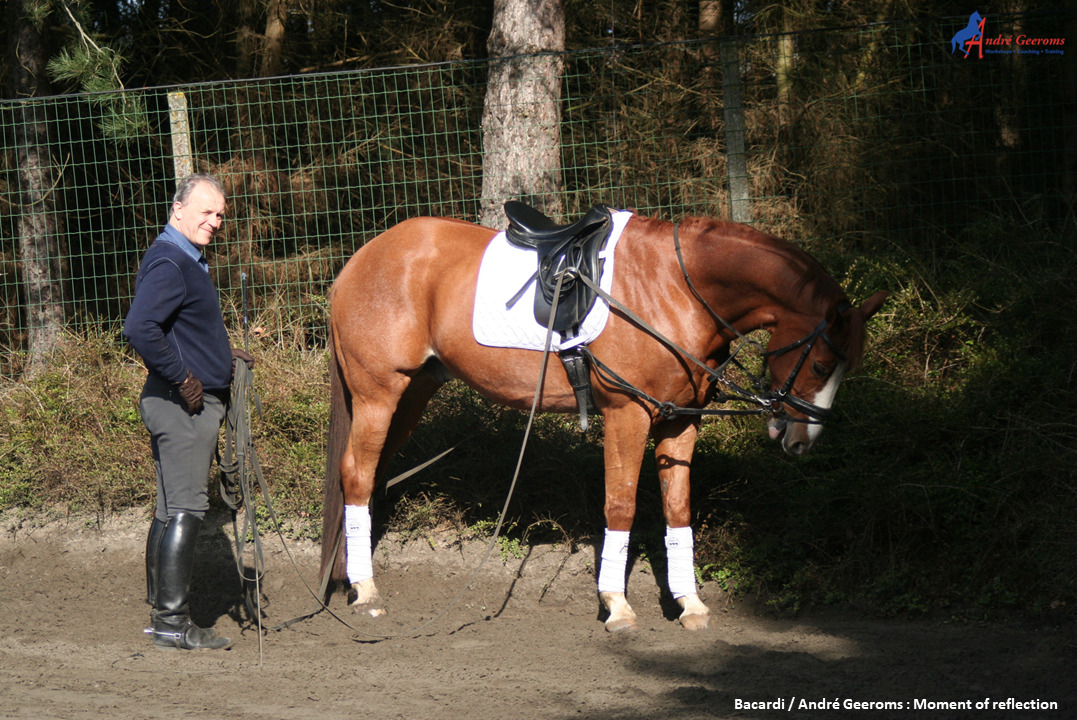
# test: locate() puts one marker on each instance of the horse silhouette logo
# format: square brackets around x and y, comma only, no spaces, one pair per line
[972,34]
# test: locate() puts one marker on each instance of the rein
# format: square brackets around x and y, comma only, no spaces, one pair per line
[238,462]
[767,402]
[239,465]
[494,537]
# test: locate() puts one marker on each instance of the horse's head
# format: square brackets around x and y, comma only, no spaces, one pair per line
[807,360]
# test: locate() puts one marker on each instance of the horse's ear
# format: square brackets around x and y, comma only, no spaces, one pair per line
[871,306]
[855,341]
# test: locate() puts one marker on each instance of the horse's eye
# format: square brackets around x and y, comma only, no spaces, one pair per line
[819,369]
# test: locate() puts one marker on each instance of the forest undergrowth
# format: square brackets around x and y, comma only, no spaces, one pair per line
[944,483]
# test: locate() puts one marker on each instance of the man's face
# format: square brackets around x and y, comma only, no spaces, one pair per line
[202,216]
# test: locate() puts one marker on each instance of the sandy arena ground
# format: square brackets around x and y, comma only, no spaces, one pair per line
[524,642]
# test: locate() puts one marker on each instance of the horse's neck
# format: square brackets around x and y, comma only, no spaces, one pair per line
[760,279]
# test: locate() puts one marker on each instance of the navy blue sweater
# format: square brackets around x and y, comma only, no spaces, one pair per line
[175,321]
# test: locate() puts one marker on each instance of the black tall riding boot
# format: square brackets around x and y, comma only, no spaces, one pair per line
[153,545]
[172,624]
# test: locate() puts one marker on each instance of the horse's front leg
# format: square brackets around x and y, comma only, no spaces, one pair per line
[626,431]
[675,443]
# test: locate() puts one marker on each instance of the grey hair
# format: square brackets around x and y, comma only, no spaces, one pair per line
[187,184]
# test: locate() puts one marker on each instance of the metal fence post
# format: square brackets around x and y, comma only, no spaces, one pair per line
[733,110]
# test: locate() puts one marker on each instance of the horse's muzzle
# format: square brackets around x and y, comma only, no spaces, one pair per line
[795,441]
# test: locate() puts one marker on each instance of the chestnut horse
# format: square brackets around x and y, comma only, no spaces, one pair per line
[401,327]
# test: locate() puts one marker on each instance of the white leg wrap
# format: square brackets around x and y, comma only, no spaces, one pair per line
[611,572]
[357,535]
[679,559]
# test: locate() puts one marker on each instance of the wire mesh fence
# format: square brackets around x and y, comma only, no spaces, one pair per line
[853,138]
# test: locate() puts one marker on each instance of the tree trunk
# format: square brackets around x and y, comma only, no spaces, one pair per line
[260,54]
[867,56]
[39,234]
[521,120]
[246,38]
[273,48]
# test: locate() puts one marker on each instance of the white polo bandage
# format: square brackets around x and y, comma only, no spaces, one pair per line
[611,571]
[357,536]
[680,561]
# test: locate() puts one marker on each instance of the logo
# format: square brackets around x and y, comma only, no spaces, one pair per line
[974,36]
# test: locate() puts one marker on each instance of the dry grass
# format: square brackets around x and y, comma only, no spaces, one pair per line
[945,481]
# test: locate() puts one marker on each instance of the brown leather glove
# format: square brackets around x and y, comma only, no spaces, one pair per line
[191,392]
[243,355]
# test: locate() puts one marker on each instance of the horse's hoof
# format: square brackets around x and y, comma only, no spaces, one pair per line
[371,609]
[364,600]
[696,616]
[620,625]
[622,618]
[694,622]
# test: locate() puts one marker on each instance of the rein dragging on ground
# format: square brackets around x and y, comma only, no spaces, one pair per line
[239,467]
[237,460]
[492,542]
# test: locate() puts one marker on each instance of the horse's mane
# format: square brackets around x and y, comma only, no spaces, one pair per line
[810,275]
[821,290]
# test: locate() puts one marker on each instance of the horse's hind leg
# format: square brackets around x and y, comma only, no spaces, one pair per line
[675,443]
[358,470]
[409,411]
[381,422]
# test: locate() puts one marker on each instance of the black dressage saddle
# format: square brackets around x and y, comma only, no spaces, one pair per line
[570,250]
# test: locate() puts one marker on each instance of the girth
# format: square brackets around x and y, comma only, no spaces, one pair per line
[573,248]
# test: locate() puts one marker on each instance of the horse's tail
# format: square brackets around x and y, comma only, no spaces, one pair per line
[334,552]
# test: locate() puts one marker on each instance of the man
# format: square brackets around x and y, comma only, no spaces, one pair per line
[176,326]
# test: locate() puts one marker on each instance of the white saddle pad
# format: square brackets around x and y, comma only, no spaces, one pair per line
[504,270]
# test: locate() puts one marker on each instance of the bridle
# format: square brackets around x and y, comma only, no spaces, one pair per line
[782,395]
[767,402]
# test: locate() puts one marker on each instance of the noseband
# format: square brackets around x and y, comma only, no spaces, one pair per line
[781,396]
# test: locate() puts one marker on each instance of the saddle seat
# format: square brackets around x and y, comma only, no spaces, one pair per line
[571,251]
[530,228]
